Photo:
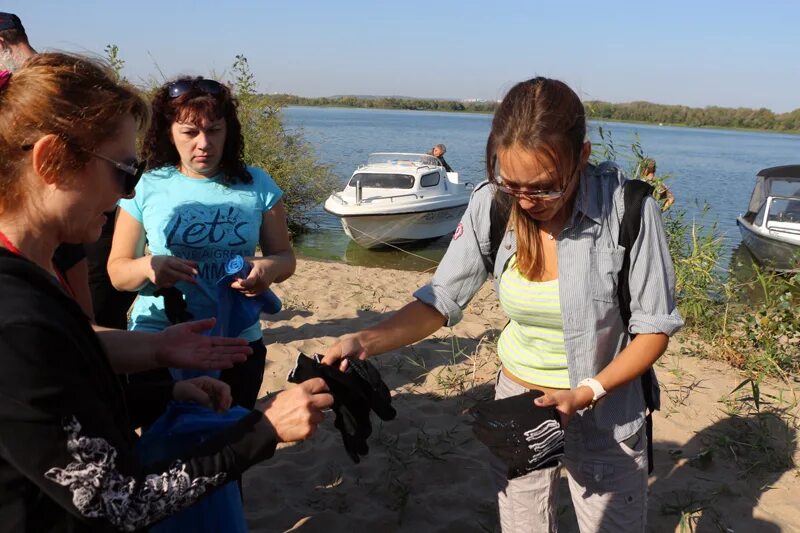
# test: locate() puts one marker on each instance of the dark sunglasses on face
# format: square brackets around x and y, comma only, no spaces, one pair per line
[527,195]
[177,88]
[128,173]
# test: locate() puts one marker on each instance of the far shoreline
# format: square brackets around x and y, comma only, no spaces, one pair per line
[591,119]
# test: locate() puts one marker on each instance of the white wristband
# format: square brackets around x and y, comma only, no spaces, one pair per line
[597,389]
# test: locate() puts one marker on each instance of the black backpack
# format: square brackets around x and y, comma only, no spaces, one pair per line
[634,193]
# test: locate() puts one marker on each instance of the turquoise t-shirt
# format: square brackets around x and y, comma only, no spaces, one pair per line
[201,220]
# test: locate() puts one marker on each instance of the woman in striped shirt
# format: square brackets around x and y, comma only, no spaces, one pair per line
[556,273]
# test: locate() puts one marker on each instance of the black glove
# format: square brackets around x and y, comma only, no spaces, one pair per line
[524,436]
[355,391]
[174,305]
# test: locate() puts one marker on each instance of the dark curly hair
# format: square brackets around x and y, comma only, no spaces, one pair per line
[159,150]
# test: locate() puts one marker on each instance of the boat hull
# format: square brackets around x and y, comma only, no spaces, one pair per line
[374,231]
[771,253]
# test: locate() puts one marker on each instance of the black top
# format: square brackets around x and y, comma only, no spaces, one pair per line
[67,256]
[444,164]
[67,458]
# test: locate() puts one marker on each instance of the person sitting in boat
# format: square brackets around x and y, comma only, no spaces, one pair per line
[662,193]
[438,152]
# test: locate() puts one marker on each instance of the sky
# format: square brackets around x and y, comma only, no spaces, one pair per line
[697,53]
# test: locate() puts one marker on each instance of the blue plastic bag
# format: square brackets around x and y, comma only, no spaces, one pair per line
[181,428]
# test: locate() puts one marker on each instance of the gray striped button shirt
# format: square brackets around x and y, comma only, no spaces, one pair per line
[589,261]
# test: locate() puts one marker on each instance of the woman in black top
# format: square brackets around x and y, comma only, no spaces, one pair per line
[67,459]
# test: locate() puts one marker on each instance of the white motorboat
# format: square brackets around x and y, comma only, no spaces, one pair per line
[771,227]
[399,198]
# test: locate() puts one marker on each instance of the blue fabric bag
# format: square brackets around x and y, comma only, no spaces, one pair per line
[235,311]
[183,427]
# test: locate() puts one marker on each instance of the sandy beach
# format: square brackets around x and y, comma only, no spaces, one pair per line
[720,465]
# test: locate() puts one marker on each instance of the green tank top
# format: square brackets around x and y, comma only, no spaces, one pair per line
[531,347]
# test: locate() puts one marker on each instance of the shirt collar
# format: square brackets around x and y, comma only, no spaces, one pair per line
[587,202]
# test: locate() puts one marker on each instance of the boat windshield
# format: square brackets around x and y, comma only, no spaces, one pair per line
[784,210]
[785,187]
[415,160]
[382,181]
[773,187]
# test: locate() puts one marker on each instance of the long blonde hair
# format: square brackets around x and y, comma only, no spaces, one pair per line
[547,118]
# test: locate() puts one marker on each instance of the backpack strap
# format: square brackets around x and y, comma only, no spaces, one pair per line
[634,193]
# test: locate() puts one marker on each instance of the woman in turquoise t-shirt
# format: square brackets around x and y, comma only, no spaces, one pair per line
[196,207]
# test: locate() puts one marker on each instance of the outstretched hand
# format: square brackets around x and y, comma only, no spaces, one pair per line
[348,346]
[185,346]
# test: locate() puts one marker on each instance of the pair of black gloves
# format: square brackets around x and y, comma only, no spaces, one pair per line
[356,392]
[524,436]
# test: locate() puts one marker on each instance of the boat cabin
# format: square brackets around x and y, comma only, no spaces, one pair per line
[775,202]
[413,174]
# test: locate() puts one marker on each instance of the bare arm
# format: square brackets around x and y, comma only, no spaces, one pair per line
[642,353]
[278,262]
[632,362]
[128,267]
[181,346]
[410,324]
[128,351]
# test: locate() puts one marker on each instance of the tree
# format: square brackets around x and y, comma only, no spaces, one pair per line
[116,62]
[288,158]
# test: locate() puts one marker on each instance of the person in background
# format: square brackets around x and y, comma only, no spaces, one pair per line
[555,272]
[198,206]
[438,152]
[647,172]
[68,458]
[14,45]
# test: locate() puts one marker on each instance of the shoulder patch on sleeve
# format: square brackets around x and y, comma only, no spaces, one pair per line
[459,231]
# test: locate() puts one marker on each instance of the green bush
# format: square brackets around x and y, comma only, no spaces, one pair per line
[753,322]
[288,158]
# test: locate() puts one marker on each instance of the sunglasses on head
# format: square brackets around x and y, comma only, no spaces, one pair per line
[180,87]
[128,173]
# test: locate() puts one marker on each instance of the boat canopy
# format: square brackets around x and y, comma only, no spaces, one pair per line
[412,160]
[775,181]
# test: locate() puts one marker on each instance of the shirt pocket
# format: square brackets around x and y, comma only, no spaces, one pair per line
[606,264]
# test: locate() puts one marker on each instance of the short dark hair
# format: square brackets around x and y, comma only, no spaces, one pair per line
[11,29]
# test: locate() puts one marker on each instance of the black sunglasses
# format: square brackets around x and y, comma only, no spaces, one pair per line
[177,88]
[128,174]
